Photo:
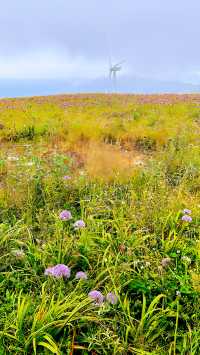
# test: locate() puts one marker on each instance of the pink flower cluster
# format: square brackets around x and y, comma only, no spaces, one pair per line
[186,215]
[98,298]
[61,270]
[58,271]
[66,216]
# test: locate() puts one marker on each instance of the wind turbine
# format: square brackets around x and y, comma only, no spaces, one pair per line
[113,70]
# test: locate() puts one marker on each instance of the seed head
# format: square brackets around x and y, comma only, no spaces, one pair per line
[165,262]
[81,275]
[112,298]
[122,248]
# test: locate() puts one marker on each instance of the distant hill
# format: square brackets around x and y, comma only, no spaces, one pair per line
[16,88]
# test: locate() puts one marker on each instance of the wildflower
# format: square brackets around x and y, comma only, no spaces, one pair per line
[178,293]
[18,253]
[79,224]
[186,259]
[165,262]
[58,271]
[81,275]
[160,270]
[65,215]
[186,211]
[112,298]
[67,177]
[97,297]
[186,218]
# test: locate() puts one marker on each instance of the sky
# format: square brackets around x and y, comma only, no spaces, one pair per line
[76,39]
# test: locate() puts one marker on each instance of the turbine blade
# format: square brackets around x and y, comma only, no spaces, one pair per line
[120,63]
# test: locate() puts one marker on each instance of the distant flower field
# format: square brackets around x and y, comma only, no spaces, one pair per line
[100,225]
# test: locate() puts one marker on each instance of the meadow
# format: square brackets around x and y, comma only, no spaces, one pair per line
[99,225]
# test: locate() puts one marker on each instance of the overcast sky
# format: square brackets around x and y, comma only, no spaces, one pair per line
[74,38]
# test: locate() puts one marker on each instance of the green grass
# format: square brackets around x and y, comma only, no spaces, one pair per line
[134,167]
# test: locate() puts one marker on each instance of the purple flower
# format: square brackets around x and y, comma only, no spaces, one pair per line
[49,271]
[79,224]
[97,297]
[186,218]
[112,298]
[186,211]
[58,271]
[65,215]
[81,275]
[67,177]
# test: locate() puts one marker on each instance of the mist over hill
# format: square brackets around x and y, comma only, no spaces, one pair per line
[125,84]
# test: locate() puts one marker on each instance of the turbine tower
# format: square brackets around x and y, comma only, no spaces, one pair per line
[113,69]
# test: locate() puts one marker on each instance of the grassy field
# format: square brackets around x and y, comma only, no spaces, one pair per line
[108,185]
